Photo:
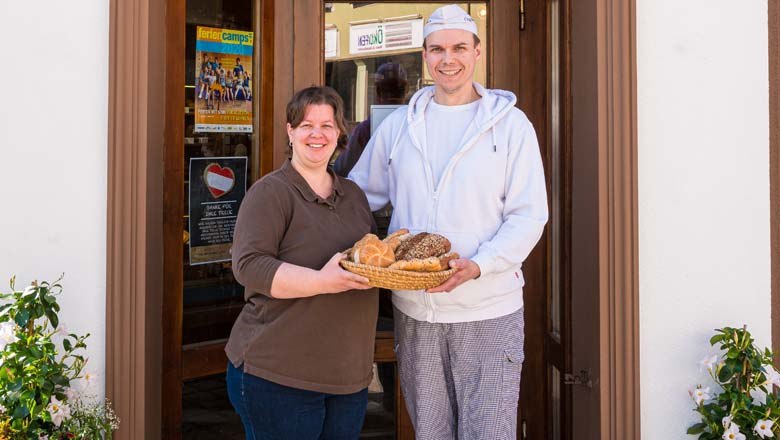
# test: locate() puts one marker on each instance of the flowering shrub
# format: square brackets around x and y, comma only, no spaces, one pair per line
[44,390]
[746,406]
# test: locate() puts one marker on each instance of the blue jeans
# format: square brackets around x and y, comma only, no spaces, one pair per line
[272,411]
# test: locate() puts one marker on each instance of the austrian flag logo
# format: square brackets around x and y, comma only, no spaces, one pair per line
[219,180]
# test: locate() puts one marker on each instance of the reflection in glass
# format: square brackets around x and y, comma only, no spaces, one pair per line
[555,143]
[555,402]
[211,299]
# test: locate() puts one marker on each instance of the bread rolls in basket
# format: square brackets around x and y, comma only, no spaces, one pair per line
[402,261]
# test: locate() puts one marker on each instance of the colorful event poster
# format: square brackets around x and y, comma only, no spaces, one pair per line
[223,80]
[217,188]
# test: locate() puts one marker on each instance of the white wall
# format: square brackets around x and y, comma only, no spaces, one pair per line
[53,137]
[703,192]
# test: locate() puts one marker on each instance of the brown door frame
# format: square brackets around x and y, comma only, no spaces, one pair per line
[774,167]
[138,93]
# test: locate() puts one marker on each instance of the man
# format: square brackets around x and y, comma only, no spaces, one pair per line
[461,161]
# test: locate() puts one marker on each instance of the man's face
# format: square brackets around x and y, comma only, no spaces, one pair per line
[451,56]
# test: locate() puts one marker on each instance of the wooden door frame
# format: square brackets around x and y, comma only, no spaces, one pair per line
[774,167]
[136,370]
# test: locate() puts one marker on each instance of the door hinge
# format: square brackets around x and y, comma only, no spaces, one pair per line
[523,431]
[582,379]
[522,15]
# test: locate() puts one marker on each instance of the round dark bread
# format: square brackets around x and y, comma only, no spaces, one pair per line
[423,245]
[407,244]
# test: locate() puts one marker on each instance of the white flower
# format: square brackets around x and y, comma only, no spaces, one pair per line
[700,394]
[759,397]
[71,393]
[764,428]
[43,437]
[2,409]
[29,290]
[732,433]
[726,422]
[58,411]
[708,363]
[772,376]
[89,380]
[7,334]
[62,330]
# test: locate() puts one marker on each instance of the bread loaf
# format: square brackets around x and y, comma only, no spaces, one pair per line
[430,264]
[395,239]
[404,247]
[422,246]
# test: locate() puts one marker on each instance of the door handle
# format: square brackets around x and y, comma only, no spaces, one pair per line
[522,15]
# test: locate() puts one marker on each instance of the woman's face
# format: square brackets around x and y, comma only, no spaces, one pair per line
[314,139]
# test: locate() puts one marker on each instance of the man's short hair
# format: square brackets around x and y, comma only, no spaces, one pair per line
[477,41]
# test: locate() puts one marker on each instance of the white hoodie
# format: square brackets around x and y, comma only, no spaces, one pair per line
[490,201]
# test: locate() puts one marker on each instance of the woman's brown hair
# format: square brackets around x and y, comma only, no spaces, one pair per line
[296,110]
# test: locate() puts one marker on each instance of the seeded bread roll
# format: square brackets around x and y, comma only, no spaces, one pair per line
[408,244]
[429,245]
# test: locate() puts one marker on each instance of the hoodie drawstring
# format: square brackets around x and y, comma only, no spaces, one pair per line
[395,143]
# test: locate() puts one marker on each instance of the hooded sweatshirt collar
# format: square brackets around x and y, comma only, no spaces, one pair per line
[493,105]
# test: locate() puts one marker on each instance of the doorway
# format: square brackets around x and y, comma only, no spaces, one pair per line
[527,53]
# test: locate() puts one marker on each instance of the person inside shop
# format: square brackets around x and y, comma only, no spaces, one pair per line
[301,351]
[390,85]
[462,161]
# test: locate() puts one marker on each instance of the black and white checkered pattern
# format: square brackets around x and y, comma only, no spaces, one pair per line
[461,380]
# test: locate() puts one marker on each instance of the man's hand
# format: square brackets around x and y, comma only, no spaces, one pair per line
[467,270]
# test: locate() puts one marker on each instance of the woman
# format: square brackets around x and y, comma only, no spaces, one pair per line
[301,350]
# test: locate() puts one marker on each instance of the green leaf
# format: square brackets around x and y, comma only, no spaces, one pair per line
[52,316]
[67,344]
[22,317]
[697,428]
[16,385]
[21,412]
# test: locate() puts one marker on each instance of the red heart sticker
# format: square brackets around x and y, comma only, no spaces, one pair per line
[218,180]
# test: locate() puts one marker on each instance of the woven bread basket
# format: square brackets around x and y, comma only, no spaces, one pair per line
[397,279]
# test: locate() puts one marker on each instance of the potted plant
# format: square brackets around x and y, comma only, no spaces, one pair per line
[742,403]
[45,391]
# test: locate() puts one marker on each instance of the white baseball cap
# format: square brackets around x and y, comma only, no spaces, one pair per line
[449,17]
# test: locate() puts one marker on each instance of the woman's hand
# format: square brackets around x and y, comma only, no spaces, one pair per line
[334,279]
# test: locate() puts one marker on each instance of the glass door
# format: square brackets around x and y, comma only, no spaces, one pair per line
[208,172]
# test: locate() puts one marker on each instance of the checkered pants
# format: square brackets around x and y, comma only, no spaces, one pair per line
[461,380]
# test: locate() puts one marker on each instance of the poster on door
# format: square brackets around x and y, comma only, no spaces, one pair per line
[223,80]
[217,188]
